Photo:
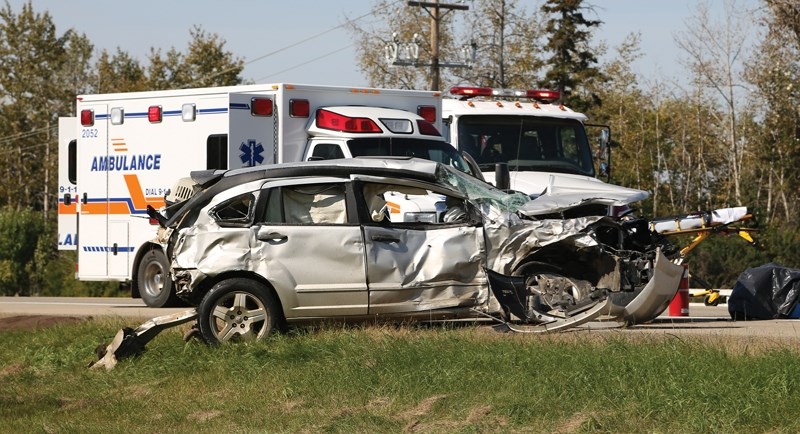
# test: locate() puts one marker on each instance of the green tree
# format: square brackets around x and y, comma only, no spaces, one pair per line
[715,53]
[37,67]
[774,70]
[507,39]
[398,23]
[119,73]
[572,62]
[206,63]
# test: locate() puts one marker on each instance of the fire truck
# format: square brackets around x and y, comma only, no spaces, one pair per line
[544,145]
[124,152]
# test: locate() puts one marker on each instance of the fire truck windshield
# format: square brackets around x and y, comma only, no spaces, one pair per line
[526,143]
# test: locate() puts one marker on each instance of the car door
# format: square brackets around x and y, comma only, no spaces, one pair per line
[309,250]
[422,266]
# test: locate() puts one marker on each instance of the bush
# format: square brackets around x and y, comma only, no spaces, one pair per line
[20,232]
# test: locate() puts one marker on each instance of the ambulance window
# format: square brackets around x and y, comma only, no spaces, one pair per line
[217,152]
[327,151]
[72,170]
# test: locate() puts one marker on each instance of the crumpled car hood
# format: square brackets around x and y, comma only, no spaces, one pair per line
[563,192]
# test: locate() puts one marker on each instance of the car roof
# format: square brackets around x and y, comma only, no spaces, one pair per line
[402,167]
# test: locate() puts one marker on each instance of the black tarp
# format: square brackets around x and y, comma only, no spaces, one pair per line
[767,292]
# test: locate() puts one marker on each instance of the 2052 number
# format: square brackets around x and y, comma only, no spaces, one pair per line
[89,133]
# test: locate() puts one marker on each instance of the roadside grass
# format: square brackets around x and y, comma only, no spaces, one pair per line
[354,379]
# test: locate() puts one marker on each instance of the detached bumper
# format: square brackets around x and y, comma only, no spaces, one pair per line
[645,305]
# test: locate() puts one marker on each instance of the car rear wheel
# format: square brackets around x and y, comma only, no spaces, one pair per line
[237,309]
[153,281]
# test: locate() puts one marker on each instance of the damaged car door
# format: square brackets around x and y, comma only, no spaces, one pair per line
[419,266]
[309,250]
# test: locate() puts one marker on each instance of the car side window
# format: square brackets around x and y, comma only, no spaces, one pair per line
[306,204]
[388,204]
[236,211]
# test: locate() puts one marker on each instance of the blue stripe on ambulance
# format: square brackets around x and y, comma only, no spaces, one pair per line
[128,249]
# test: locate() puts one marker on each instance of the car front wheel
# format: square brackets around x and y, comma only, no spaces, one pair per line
[237,309]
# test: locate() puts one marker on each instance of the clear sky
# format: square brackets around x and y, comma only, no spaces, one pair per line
[279,43]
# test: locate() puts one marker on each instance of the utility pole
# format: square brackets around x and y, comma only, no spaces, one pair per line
[395,49]
[46,207]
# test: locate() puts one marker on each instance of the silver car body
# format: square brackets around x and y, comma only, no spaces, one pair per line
[314,232]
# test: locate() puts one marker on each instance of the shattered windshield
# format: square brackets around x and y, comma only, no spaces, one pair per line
[481,192]
[527,143]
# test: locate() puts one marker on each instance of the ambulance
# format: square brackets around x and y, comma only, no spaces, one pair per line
[124,152]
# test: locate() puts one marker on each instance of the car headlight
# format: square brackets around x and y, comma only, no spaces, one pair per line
[422,217]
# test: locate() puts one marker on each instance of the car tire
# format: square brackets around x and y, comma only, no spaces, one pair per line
[237,309]
[532,270]
[153,280]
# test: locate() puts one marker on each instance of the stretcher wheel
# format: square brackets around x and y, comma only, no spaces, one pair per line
[711,300]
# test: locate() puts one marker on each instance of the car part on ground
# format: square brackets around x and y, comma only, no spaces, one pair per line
[131,342]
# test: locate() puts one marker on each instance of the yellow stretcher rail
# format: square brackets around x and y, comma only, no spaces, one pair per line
[701,226]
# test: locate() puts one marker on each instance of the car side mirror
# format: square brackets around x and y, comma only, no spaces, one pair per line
[502,177]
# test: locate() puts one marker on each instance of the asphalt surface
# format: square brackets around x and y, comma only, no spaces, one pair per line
[713,321]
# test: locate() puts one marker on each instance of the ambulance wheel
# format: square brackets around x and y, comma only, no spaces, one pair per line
[153,281]
[237,310]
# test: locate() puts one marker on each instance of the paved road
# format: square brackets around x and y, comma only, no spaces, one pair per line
[80,306]
[702,320]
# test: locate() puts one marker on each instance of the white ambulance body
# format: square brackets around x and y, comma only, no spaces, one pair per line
[128,150]
[545,145]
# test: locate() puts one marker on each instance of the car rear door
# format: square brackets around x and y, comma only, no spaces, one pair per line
[309,251]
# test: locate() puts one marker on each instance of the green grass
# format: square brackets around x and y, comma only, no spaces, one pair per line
[396,379]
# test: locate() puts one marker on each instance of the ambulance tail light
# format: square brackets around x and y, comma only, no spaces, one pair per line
[427,128]
[154,114]
[427,112]
[87,118]
[333,121]
[469,92]
[299,108]
[152,221]
[545,96]
[261,107]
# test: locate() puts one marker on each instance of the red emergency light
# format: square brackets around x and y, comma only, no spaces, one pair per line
[545,96]
[87,118]
[427,128]
[261,107]
[334,121]
[154,114]
[469,92]
[427,112]
[299,108]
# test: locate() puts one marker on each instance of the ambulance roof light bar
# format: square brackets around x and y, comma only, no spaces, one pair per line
[541,95]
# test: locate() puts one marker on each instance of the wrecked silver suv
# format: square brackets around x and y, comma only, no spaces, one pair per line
[255,249]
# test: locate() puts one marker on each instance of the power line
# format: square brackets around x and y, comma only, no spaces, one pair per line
[306,62]
[272,53]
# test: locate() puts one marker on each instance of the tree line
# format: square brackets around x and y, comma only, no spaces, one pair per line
[727,135]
